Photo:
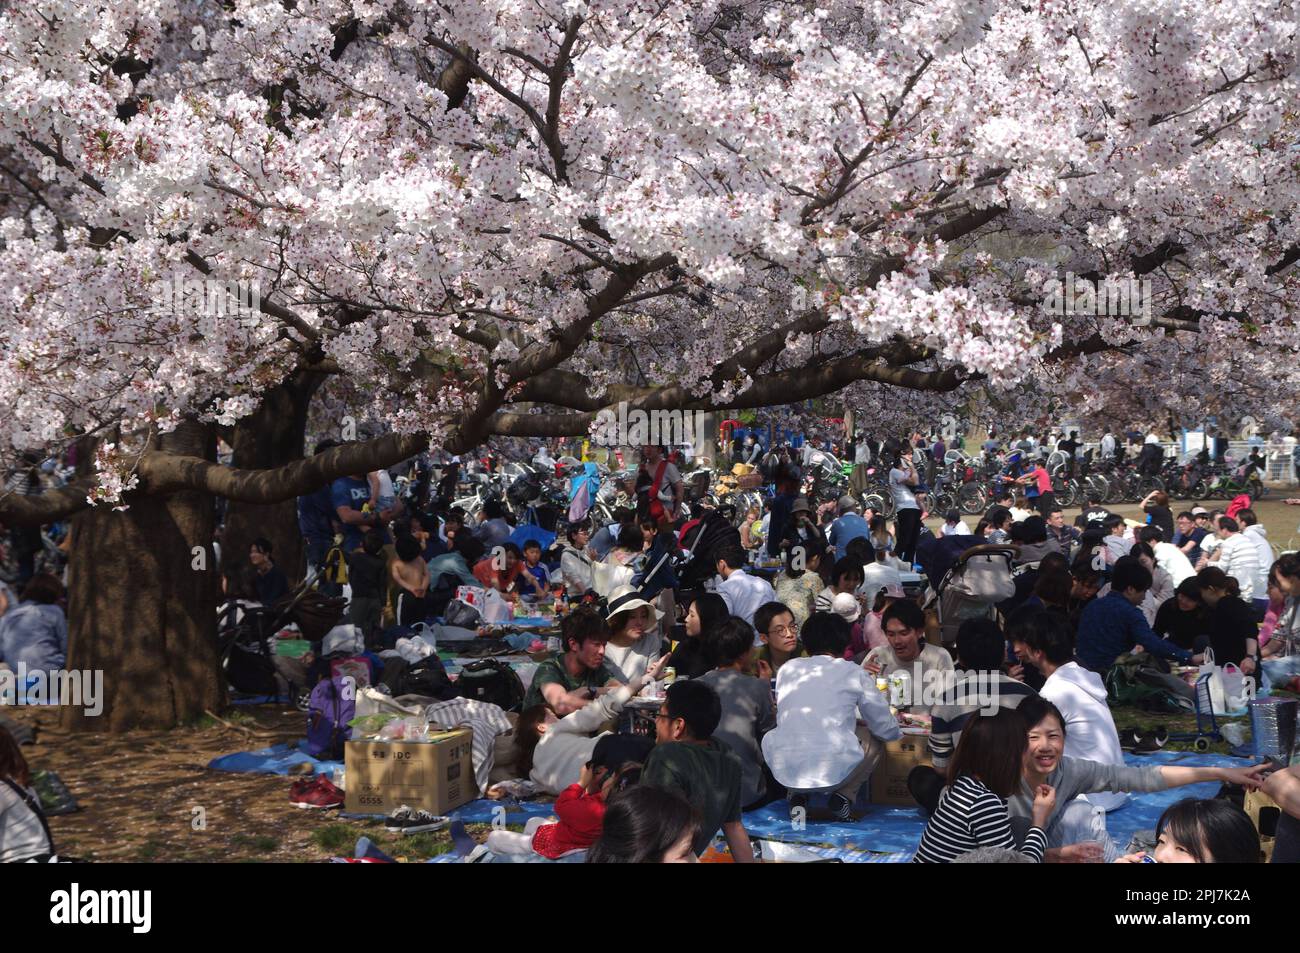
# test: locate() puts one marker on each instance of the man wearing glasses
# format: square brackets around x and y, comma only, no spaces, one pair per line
[775,625]
[687,758]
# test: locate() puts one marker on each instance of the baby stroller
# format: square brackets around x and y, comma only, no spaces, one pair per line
[246,642]
[979,580]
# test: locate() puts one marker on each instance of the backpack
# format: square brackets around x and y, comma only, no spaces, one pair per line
[492,681]
[1129,682]
[426,677]
[333,704]
[713,532]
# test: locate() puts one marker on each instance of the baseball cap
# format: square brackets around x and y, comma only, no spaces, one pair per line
[614,751]
[846,607]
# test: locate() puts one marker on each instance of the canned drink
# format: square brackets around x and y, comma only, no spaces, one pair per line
[900,689]
[882,684]
[670,675]
[1148,859]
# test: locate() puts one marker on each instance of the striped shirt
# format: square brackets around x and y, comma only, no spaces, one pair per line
[970,816]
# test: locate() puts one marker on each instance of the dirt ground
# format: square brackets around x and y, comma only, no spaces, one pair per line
[139,793]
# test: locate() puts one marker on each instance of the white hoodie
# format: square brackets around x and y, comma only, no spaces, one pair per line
[1090,733]
[1258,535]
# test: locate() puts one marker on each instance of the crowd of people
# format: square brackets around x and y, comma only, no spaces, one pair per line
[778,696]
[785,683]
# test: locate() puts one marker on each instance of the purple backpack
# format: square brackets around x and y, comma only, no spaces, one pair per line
[333,704]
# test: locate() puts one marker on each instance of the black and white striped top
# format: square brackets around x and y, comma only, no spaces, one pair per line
[970,816]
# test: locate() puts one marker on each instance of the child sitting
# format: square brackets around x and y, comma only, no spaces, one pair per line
[533,564]
[580,811]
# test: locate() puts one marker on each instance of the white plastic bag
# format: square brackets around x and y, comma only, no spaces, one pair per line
[495,608]
[1218,700]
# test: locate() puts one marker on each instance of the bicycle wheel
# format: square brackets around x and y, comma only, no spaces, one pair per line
[971,499]
[874,500]
[1256,488]
[1149,485]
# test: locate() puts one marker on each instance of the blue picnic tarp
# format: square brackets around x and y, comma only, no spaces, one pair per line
[892,833]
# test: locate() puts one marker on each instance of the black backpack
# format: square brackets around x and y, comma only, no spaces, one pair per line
[492,681]
[704,541]
[426,677]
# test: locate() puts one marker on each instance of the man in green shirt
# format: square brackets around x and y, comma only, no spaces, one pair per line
[569,681]
[687,758]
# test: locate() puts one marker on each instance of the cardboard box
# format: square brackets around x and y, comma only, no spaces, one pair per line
[889,780]
[437,775]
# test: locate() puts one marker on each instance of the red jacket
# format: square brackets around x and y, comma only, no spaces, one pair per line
[581,815]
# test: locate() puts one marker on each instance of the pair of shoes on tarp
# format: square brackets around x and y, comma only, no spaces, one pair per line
[838,809]
[1143,740]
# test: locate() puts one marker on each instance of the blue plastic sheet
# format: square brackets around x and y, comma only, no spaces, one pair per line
[277,759]
[891,833]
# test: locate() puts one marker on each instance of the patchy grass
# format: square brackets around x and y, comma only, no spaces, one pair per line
[261,843]
[335,838]
[1183,723]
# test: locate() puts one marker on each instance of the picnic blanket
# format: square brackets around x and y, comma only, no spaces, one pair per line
[884,835]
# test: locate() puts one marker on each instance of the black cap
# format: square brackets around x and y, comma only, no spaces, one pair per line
[614,751]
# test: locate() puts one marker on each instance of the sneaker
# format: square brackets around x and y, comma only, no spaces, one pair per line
[398,820]
[840,808]
[302,786]
[798,802]
[1160,736]
[320,796]
[1129,739]
[1146,744]
[421,821]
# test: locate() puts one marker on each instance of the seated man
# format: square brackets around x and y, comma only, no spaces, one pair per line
[1076,826]
[904,625]
[1042,640]
[830,721]
[688,759]
[981,653]
[774,623]
[1111,626]
[569,681]
[747,710]
[742,591]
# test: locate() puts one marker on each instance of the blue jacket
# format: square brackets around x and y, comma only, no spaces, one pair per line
[36,634]
[1110,627]
[844,530]
[316,516]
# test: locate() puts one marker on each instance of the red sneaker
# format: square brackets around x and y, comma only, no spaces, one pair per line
[320,796]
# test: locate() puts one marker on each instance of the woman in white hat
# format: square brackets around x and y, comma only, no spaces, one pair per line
[634,640]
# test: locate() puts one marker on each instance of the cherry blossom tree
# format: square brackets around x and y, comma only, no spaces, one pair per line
[469,209]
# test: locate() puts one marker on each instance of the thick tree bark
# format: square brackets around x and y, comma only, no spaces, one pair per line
[269,438]
[142,598]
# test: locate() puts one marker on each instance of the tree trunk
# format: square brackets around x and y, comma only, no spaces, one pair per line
[142,599]
[270,437]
